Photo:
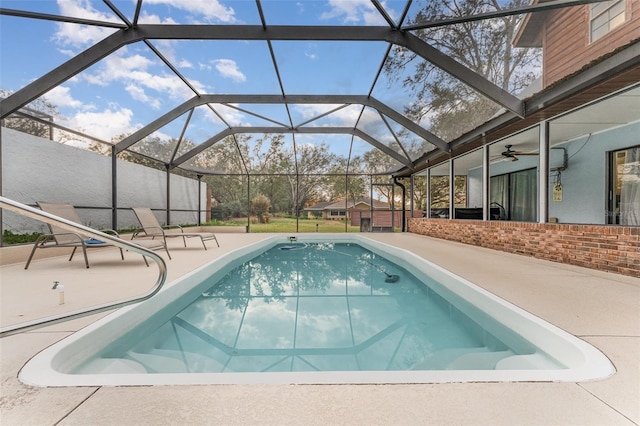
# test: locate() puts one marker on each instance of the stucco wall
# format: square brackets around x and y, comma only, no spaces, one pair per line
[36,169]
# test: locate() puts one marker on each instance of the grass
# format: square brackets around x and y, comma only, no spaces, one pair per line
[276,224]
[288,224]
[9,238]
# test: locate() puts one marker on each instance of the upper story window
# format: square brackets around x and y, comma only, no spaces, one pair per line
[605,16]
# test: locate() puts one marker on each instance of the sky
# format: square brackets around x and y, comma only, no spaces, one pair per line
[133,86]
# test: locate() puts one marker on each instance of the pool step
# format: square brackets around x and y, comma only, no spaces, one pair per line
[172,361]
[440,360]
[112,366]
[479,360]
[527,362]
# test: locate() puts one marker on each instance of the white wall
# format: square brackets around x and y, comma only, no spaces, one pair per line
[584,183]
[36,169]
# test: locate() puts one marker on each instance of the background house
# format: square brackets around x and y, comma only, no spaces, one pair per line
[341,209]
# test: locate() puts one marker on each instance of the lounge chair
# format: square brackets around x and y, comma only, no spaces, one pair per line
[152,228]
[59,237]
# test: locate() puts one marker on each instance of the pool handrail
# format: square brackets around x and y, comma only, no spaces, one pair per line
[49,218]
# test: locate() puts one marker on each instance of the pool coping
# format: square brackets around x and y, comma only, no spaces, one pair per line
[586,362]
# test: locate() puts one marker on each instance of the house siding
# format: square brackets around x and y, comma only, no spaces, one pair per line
[566,41]
[601,247]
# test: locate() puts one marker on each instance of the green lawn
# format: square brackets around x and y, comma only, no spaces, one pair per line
[276,224]
[285,224]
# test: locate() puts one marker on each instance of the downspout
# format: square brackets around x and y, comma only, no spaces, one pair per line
[404,194]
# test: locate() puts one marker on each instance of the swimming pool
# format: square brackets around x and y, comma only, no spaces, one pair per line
[498,343]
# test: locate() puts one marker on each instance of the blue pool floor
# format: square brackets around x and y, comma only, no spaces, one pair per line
[313,307]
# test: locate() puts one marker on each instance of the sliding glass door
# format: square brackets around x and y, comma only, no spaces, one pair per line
[624,187]
[516,195]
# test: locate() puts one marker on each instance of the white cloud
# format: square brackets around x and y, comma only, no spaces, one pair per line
[184,63]
[231,115]
[104,125]
[310,51]
[353,12]
[134,72]
[119,65]
[210,10]
[60,96]
[138,93]
[229,69]
[145,18]
[79,36]
[343,117]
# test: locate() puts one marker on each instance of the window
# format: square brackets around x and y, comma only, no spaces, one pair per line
[605,16]
[515,195]
[624,187]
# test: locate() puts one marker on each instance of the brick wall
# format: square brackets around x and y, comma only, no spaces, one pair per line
[607,248]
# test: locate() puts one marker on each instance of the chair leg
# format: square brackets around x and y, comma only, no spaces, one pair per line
[33,250]
[167,249]
[72,253]
[121,253]
[202,239]
[84,252]
[184,240]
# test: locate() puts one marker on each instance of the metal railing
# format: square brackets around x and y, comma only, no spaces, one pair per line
[42,216]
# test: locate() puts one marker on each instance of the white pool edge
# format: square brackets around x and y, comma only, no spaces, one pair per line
[584,360]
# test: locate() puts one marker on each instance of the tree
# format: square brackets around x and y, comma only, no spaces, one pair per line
[39,108]
[269,162]
[379,164]
[260,206]
[450,106]
[312,161]
[440,191]
[229,184]
[420,193]
[341,185]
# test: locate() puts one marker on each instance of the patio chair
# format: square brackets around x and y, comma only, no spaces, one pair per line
[59,237]
[152,228]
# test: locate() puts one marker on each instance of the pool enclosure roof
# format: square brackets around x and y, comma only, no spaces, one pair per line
[221,87]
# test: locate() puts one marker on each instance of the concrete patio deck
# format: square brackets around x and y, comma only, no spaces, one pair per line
[602,309]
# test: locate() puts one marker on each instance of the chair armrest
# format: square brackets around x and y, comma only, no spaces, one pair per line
[174,227]
[78,236]
[146,233]
[44,238]
[110,231]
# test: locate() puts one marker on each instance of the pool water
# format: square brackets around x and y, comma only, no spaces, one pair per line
[301,307]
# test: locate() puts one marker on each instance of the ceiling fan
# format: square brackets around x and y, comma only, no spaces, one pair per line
[509,153]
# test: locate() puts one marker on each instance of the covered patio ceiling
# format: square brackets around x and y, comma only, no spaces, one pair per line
[174,80]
